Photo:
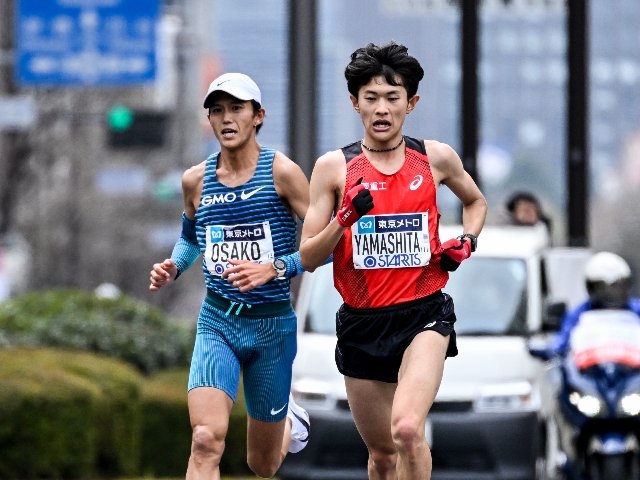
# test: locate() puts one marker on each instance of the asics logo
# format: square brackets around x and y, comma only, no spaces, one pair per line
[429,325]
[417,181]
[275,412]
[228,197]
[246,195]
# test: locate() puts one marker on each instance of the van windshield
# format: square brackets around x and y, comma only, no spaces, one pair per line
[489,294]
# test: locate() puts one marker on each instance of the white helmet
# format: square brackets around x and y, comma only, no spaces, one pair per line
[606,267]
[608,280]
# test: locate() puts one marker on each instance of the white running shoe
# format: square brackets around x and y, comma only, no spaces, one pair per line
[300,426]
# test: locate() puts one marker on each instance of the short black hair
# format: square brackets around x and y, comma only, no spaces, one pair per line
[391,61]
[523,197]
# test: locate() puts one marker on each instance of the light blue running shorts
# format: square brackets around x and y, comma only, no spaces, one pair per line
[262,347]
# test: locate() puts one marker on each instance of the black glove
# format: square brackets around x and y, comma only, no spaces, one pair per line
[356,203]
[453,252]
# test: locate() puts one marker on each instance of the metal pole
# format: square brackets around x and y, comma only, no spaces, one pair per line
[302,83]
[577,160]
[469,98]
[10,165]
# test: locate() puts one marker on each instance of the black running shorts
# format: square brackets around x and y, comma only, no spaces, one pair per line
[371,341]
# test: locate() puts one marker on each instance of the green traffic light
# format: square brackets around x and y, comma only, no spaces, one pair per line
[120,118]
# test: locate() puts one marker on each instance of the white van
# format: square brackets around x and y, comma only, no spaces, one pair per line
[485,422]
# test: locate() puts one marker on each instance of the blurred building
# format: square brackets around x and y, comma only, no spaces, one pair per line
[94,213]
[522,74]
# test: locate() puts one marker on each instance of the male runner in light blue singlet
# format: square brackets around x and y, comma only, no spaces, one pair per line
[240,210]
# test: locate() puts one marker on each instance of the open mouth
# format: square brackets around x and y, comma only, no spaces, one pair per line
[228,132]
[381,124]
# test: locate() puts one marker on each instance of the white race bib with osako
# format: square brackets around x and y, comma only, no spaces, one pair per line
[237,242]
[396,240]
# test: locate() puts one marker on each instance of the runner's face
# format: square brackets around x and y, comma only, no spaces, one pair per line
[233,121]
[383,109]
[526,213]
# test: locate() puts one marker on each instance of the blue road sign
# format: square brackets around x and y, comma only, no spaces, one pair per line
[86,42]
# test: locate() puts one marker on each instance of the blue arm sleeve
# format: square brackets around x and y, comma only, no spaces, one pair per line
[294,267]
[186,249]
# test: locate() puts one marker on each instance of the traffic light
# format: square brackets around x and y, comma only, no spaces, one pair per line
[127,127]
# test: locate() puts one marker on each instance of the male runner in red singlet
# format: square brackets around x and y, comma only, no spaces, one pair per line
[373,205]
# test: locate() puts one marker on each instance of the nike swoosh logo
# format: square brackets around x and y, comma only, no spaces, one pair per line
[306,425]
[275,412]
[245,196]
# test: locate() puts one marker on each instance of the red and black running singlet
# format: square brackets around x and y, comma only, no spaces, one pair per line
[384,258]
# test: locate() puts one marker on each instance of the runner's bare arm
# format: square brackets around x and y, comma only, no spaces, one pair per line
[192,188]
[447,168]
[165,272]
[291,184]
[320,232]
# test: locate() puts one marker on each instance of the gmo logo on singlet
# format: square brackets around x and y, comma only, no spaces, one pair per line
[228,197]
[216,234]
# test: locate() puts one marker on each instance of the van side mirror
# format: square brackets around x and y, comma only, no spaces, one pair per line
[552,316]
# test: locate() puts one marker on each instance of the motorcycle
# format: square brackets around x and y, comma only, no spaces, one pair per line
[593,432]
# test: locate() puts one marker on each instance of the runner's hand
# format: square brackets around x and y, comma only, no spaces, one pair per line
[356,203]
[246,275]
[161,274]
[453,252]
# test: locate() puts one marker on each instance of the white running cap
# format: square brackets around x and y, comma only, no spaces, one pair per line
[237,85]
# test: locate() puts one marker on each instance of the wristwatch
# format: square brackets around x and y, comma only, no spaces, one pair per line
[280,266]
[473,240]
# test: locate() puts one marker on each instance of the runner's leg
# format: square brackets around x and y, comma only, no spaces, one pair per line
[373,420]
[418,382]
[267,383]
[209,410]
[263,457]
[213,384]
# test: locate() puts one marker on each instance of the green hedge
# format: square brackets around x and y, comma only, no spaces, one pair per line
[122,327]
[167,432]
[79,415]
[67,415]
[75,413]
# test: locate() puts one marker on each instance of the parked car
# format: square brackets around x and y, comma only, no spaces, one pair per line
[486,421]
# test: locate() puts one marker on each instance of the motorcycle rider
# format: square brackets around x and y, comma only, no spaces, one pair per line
[608,283]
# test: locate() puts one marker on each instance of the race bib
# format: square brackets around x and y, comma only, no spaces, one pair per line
[391,241]
[237,242]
